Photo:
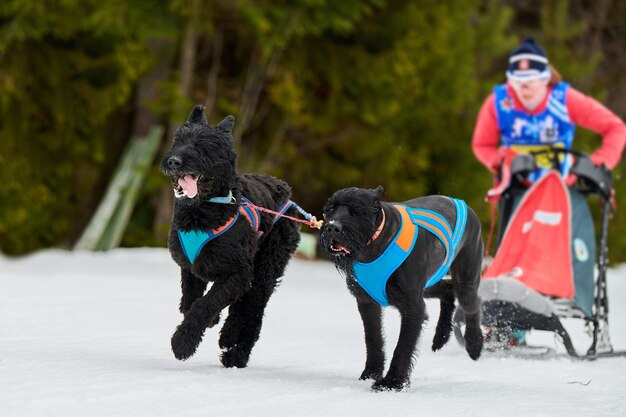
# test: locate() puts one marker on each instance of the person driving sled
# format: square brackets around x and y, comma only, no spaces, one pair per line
[535,110]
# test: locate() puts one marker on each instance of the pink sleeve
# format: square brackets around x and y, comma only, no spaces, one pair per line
[486,137]
[589,113]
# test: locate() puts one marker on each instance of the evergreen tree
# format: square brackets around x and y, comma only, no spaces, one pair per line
[327,94]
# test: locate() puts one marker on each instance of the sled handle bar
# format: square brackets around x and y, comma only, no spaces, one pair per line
[593,178]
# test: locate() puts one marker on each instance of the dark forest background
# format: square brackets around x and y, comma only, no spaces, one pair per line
[326,94]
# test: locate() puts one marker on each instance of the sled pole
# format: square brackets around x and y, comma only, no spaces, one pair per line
[603,263]
[601,338]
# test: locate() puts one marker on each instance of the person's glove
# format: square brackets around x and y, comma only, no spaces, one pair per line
[501,156]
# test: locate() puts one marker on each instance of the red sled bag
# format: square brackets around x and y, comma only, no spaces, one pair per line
[536,246]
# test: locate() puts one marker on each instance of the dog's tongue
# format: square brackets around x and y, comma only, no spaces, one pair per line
[338,247]
[189,184]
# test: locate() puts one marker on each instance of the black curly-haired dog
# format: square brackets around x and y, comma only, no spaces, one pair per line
[214,238]
[384,266]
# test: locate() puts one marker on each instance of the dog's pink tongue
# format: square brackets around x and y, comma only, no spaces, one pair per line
[189,184]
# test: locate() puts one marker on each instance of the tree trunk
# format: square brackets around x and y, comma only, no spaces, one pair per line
[147,91]
[258,72]
[211,94]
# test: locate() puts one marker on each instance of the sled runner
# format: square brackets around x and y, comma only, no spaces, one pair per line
[546,267]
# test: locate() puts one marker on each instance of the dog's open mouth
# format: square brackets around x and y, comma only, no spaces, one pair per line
[187,185]
[338,248]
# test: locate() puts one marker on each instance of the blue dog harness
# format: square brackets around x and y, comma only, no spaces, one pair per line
[373,276]
[193,241]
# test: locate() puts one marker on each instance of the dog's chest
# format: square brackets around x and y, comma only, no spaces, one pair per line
[217,256]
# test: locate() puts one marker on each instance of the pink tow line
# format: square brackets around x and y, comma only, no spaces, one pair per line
[312,223]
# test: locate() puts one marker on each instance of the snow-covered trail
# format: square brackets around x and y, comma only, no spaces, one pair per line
[88,334]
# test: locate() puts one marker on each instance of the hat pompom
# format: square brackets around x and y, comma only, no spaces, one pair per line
[529,39]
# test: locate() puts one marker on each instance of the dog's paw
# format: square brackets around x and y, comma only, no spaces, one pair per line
[229,335]
[375,375]
[235,357]
[440,340]
[473,342]
[390,384]
[474,349]
[185,341]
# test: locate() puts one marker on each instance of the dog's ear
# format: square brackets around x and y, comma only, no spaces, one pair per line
[378,192]
[197,115]
[226,125]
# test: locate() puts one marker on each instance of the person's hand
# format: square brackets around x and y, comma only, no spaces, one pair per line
[596,161]
[571,179]
[503,156]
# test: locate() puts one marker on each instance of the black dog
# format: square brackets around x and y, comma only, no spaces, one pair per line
[360,228]
[215,238]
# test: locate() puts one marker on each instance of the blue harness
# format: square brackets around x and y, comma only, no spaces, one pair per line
[373,276]
[193,241]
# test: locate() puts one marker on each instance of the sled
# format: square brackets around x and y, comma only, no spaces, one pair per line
[523,299]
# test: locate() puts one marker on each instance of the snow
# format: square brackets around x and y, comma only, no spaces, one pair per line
[88,334]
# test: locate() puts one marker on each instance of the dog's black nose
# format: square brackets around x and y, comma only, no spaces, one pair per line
[334,226]
[174,162]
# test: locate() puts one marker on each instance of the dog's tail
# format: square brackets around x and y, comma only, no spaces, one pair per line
[444,291]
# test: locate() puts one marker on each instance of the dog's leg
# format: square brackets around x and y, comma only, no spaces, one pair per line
[192,289]
[412,319]
[465,273]
[473,333]
[442,290]
[371,314]
[242,328]
[204,312]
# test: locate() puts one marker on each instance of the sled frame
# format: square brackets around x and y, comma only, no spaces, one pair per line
[591,180]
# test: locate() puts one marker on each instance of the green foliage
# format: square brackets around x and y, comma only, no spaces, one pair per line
[64,68]
[390,99]
[327,94]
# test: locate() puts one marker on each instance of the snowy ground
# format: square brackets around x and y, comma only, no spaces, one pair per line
[88,334]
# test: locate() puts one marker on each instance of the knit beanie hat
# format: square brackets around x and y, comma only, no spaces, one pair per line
[527,61]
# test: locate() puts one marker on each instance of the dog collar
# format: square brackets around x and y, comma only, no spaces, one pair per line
[379,230]
[227,199]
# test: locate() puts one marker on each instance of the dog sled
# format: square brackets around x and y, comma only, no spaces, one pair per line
[545,272]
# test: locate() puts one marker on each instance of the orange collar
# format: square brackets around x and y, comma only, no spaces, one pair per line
[380,228]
